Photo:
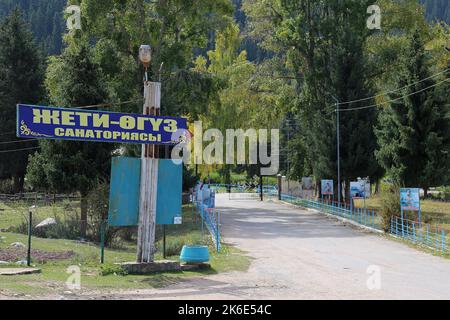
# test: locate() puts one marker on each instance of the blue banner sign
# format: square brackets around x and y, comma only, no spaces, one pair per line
[87,125]
[327,187]
[410,199]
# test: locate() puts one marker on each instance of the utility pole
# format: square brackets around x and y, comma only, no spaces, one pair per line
[149,169]
[338,134]
[261,191]
[287,157]
[338,139]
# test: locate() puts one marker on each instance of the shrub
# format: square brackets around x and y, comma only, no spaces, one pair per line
[68,225]
[67,228]
[390,205]
[98,204]
[108,268]
[6,186]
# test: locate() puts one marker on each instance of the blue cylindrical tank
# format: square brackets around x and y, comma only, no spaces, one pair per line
[194,254]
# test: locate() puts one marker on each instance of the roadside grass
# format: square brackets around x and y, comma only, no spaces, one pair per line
[14,213]
[417,246]
[433,211]
[53,276]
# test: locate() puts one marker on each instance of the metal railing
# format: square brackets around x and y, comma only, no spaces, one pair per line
[433,237]
[211,218]
[365,217]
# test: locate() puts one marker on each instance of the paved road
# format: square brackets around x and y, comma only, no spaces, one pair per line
[299,254]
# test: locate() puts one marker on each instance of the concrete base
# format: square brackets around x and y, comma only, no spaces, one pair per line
[150,268]
[195,267]
[18,271]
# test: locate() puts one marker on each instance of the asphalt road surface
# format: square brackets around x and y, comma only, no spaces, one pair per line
[300,254]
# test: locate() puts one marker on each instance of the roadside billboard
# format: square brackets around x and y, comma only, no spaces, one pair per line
[360,189]
[39,122]
[327,187]
[307,184]
[308,187]
[410,199]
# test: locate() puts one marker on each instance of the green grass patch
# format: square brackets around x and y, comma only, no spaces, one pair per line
[108,277]
[418,246]
[432,211]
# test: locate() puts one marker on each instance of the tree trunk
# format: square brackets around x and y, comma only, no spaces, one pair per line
[22,183]
[227,174]
[347,190]
[83,207]
[425,192]
[377,187]
[16,184]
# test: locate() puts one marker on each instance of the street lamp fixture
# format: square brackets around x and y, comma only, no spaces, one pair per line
[145,55]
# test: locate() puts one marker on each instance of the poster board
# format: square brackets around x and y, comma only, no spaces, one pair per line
[308,187]
[327,187]
[360,189]
[125,192]
[410,199]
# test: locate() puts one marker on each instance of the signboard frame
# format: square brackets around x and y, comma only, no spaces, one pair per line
[410,201]
[308,187]
[43,122]
[125,190]
[330,190]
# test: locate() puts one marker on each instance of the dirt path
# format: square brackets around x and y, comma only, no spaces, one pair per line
[300,254]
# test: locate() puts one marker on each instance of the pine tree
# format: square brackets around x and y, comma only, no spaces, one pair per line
[66,166]
[42,15]
[413,135]
[21,78]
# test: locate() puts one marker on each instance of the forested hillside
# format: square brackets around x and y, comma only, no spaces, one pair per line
[437,9]
[45,17]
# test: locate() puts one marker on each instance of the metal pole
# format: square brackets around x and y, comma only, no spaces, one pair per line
[30,223]
[261,186]
[164,241]
[365,195]
[102,240]
[338,150]
[218,232]
[279,187]
[287,158]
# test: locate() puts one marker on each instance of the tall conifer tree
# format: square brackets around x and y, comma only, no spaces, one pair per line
[21,78]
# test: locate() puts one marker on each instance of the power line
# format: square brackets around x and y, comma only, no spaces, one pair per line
[18,141]
[393,91]
[109,104]
[17,150]
[7,133]
[386,102]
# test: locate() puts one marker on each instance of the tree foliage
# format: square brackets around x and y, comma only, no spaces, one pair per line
[324,46]
[21,79]
[45,18]
[68,166]
[414,131]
